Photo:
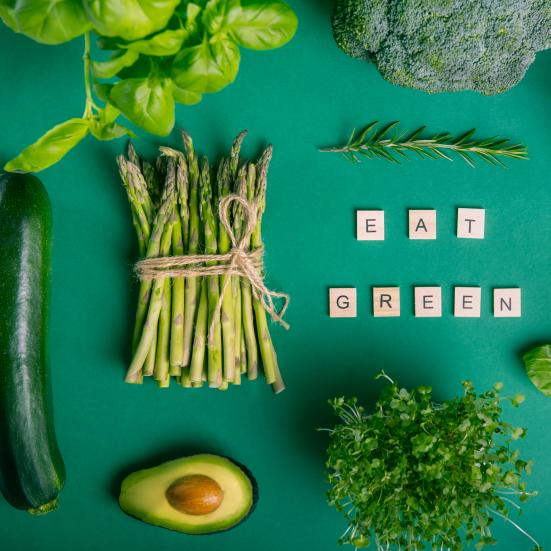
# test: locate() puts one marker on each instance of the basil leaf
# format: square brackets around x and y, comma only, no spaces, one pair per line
[143,68]
[186,97]
[147,102]
[538,367]
[215,14]
[261,25]
[102,90]
[51,147]
[46,21]
[208,67]
[108,69]
[166,43]
[104,127]
[130,19]
[108,114]
[111,131]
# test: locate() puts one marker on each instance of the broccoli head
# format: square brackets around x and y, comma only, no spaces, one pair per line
[445,45]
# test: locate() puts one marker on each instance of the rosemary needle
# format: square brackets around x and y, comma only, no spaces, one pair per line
[388,144]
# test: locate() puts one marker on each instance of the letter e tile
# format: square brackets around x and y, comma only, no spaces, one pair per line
[467,302]
[370,225]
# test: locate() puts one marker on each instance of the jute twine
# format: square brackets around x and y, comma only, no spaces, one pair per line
[237,262]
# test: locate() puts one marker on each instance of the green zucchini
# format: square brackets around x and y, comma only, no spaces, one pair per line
[32,472]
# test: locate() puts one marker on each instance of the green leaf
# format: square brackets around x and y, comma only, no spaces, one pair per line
[208,67]
[130,19]
[51,147]
[108,69]
[46,21]
[215,14]
[185,97]
[147,102]
[261,25]
[102,90]
[165,43]
[111,131]
[538,367]
[103,126]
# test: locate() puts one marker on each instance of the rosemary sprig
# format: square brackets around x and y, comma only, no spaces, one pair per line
[389,144]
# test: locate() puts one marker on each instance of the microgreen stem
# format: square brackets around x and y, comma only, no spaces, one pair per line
[521,530]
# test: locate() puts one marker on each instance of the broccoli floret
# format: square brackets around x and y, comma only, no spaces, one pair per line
[445,45]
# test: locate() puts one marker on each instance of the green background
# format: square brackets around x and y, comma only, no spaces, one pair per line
[305,95]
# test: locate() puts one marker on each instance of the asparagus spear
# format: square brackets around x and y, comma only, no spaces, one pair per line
[227,311]
[178,283]
[246,295]
[214,341]
[200,337]
[192,284]
[237,228]
[269,360]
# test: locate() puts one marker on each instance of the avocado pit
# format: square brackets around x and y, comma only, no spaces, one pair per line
[195,494]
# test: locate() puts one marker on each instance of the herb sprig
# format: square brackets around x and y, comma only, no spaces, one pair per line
[388,144]
[415,472]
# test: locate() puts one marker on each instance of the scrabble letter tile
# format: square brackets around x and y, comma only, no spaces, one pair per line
[386,302]
[342,302]
[428,302]
[467,302]
[370,225]
[422,224]
[470,223]
[507,303]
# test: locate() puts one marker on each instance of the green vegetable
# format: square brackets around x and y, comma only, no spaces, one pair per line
[46,21]
[386,143]
[200,494]
[31,468]
[129,19]
[51,147]
[538,367]
[146,101]
[417,472]
[162,52]
[445,46]
[207,328]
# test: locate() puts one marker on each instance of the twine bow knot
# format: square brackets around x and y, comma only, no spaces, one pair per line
[237,262]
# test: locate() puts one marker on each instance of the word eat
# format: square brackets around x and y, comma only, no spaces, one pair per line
[370,224]
[428,302]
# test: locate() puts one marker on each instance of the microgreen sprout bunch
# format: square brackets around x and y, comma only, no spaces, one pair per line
[416,473]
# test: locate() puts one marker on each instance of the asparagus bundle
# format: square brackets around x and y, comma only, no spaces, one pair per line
[210,328]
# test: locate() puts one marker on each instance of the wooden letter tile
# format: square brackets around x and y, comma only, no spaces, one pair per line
[470,223]
[507,303]
[422,224]
[386,302]
[467,302]
[370,225]
[428,302]
[342,302]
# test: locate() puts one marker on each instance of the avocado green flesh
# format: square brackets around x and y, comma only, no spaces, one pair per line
[143,494]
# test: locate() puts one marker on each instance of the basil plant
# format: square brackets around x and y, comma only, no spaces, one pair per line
[161,52]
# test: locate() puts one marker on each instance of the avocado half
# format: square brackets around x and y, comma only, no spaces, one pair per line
[199,494]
